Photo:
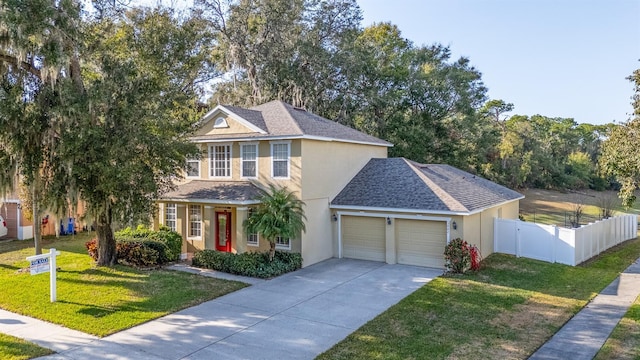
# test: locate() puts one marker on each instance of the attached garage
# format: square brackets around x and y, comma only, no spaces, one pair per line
[399,211]
[363,238]
[421,243]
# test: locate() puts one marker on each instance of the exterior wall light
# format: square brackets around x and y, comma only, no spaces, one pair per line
[334,217]
[454,225]
[388,220]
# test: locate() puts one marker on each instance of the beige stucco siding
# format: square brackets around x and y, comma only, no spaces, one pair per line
[317,241]
[234,127]
[328,166]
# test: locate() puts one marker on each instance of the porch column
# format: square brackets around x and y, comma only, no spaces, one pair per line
[158,217]
[208,223]
[181,220]
[240,236]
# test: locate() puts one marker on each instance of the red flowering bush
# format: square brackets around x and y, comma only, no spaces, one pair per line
[460,256]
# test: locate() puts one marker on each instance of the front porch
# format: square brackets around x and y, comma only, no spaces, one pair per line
[209,215]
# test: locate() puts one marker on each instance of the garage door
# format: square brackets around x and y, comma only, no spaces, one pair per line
[421,242]
[363,238]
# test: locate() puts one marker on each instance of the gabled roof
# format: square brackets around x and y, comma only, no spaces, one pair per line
[401,184]
[215,192]
[281,120]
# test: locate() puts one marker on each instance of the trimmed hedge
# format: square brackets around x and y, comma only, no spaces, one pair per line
[171,239]
[253,264]
[143,247]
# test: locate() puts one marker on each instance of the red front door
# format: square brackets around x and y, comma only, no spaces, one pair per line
[223,231]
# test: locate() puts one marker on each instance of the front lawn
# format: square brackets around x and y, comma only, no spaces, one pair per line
[12,348]
[97,300]
[506,311]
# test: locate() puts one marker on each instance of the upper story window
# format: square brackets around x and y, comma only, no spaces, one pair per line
[220,160]
[249,156]
[280,152]
[170,216]
[193,168]
[220,123]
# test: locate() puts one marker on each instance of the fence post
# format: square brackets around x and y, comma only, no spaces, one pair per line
[495,234]
[555,244]
[517,240]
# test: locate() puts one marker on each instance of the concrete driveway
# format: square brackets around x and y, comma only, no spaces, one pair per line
[295,316]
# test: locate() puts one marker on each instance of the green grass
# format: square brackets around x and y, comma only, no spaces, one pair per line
[12,348]
[624,342]
[555,207]
[97,300]
[507,310]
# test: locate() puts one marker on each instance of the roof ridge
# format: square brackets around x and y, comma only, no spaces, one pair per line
[444,196]
[291,117]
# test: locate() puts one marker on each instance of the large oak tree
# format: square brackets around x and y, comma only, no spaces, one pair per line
[101,104]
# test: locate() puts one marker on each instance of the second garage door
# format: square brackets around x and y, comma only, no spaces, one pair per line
[363,238]
[421,242]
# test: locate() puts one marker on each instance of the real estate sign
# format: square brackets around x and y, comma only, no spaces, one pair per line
[46,263]
[39,266]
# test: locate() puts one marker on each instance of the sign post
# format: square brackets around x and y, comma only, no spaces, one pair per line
[46,263]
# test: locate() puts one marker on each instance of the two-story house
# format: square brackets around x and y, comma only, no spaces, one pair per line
[358,203]
[247,149]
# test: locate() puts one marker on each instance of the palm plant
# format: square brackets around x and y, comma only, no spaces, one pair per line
[279,214]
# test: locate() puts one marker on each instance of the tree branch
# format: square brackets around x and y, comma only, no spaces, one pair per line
[22,64]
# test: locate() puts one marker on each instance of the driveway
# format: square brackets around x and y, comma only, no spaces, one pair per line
[295,316]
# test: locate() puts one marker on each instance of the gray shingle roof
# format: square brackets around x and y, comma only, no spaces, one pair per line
[398,183]
[281,119]
[252,116]
[215,191]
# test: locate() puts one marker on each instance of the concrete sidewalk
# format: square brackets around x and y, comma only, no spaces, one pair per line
[582,337]
[45,334]
[295,316]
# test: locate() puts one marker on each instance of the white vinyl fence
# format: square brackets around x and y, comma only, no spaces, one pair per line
[566,246]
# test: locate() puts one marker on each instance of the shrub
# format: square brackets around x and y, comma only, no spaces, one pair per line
[167,243]
[171,239]
[143,247]
[136,253]
[457,256]
[140,231]
[254,264]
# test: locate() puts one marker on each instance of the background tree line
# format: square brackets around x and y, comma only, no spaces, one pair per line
[434,109]
[97,102]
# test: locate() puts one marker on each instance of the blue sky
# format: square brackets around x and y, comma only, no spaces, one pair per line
[562,58]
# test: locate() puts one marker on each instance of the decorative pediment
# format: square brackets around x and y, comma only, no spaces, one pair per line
[224,121]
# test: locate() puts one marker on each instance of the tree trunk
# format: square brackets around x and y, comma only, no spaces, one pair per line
[272,250]
[37,221]
[107,255]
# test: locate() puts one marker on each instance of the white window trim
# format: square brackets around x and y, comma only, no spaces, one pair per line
[217,124]
[257,244]
[189,237]
[288,143]
[212,161]
[282,247]
[199,169]
[256,144]
[175,215]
